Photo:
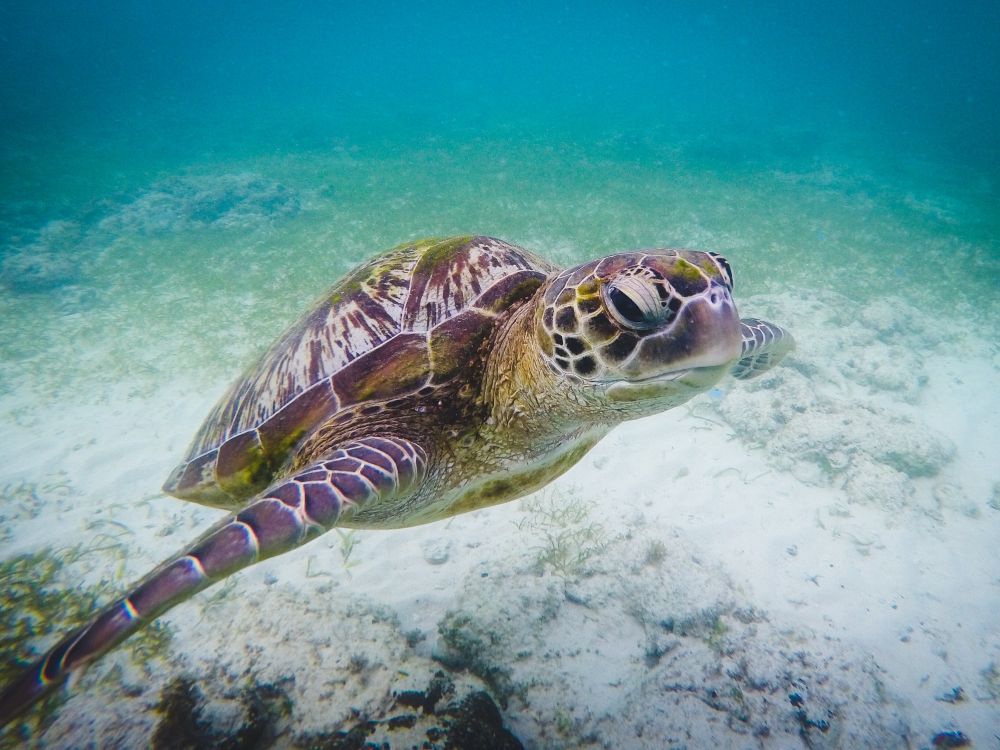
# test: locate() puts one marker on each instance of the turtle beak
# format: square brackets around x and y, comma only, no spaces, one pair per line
[713,333]
[689,356]
[706,334]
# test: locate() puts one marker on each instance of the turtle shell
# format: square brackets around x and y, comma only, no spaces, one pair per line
[391,326]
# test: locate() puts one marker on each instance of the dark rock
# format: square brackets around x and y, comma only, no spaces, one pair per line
[184,727]
[479,726]
[951,739]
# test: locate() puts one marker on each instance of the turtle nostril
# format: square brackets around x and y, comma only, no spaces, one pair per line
[719,296]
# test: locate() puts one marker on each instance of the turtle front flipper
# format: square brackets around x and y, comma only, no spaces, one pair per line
[290,513]
[764,346]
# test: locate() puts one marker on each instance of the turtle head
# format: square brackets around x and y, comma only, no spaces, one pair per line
[642,331]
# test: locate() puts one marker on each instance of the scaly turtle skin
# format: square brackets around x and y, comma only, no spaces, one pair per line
[438,378]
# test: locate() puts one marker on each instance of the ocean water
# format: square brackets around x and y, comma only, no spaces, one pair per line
[178,181]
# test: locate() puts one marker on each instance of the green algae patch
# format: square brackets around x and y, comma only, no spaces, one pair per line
[39,605]
[689,271]
[437,250]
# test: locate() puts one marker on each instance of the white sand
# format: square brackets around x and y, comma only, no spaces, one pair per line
[869,593]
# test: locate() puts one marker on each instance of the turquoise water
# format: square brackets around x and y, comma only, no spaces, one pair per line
[156,160]
[178,180]
[788,136]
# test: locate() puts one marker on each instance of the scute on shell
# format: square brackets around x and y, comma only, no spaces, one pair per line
[394,324]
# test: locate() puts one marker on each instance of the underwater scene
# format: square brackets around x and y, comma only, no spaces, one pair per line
[803,559]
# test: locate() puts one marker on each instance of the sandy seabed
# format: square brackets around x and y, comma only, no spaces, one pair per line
[804,560]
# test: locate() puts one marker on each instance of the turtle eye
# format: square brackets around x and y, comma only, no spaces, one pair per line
[636,303]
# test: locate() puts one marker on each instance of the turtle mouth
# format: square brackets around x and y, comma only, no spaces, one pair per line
[667,376]
[688,375]
[679,384]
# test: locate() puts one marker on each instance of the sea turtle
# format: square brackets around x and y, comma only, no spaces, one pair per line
[443,376]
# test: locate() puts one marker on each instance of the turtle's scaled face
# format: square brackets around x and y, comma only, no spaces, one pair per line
[655,327]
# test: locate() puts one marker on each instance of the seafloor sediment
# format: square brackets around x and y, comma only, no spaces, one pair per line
[807,559]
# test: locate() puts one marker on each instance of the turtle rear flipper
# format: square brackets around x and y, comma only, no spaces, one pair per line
[764,346]
[289,514]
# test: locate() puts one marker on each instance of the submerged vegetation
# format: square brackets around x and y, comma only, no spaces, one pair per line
[569,538]
[39,603]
